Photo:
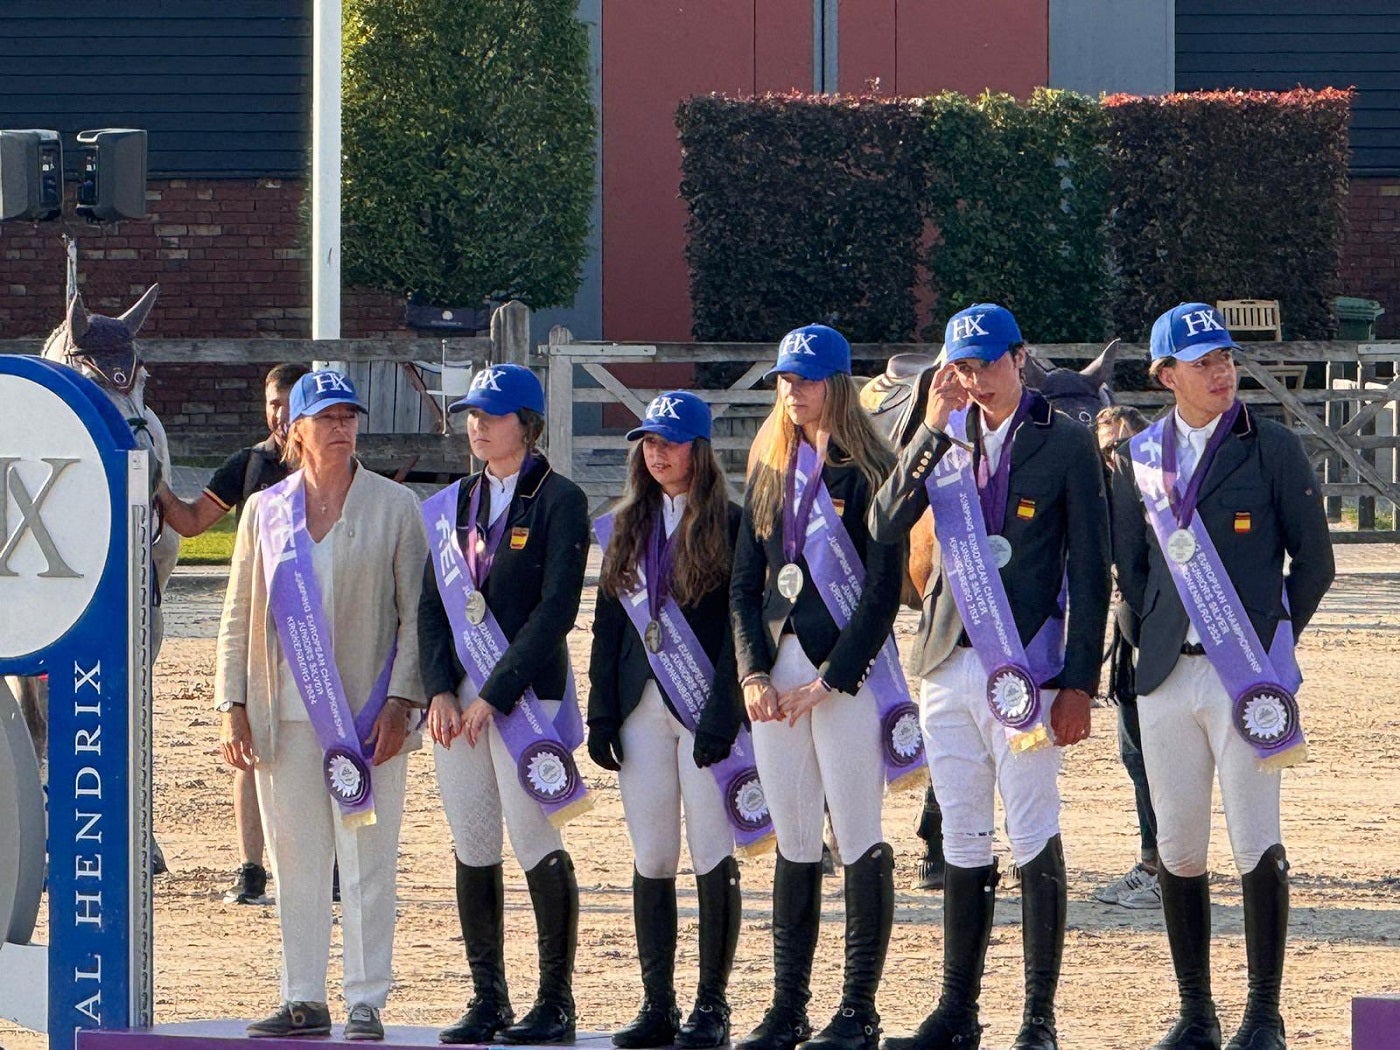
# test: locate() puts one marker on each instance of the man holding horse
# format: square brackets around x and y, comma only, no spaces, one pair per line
[1007,673]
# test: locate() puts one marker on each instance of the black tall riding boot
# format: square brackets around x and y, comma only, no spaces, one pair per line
[554,895]
[721,910]
[654,915]
[969,899]
[930,829]
[869,917]
[1043,907]
[797,916]
[481,908]
[1265,937]
[1186,911]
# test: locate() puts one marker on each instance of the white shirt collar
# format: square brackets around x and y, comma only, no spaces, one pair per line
[502,492]
[1198,436]
[993,441]
[672,509]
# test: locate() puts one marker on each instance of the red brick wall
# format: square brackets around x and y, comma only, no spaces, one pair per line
[1371,253]
[231,262]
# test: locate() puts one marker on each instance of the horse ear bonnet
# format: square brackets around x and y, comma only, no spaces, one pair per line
[96,335]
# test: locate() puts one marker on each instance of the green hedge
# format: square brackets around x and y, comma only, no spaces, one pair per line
[1086,219]
[1018,197]
[802,209]
[469,147]
[1228,195]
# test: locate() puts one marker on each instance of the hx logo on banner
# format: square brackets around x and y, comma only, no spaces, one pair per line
[74,605]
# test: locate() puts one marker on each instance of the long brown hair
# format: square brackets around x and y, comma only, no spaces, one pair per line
[703,554]
[851,431]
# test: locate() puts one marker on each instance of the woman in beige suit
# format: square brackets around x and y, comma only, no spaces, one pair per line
[318,683]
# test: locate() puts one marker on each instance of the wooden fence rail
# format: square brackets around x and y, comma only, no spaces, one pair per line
[1349,424]
[1338,422]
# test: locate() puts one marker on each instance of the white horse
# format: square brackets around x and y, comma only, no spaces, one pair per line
[102,349]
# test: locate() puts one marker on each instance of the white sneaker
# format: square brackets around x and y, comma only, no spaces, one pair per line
[1136,880]
[1145,898]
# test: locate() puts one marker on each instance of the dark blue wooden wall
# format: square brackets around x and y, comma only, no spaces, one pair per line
[1275,45]
[222,86]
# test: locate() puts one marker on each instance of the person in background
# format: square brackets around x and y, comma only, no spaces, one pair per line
[1138,889]
[247,471]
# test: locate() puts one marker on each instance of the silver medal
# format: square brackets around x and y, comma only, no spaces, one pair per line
[653,636]
[1181,546]
[790,581]
[1001,550]
[476,607]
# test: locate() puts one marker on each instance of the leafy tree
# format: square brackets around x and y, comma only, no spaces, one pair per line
[468,139]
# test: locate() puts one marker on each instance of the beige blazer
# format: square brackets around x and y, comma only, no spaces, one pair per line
[378,558]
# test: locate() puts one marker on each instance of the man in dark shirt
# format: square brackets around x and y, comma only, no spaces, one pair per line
[247,471]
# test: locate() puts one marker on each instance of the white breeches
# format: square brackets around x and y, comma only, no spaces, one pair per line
[658,778]
[480,787]
[305,838]
[831,755]
[1188,737]
[970,758]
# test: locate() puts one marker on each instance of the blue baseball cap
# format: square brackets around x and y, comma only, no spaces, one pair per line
[813,351]
[317,391]
[984,331]
[499,390]
[1188,332]
[677,415]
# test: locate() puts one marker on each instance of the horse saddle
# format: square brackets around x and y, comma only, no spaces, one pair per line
[896,398]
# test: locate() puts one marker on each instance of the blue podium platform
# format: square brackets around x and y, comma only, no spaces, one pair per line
[1375,1022]
[219,1035]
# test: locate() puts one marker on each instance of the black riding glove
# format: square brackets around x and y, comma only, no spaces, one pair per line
[605,745]
[710,748]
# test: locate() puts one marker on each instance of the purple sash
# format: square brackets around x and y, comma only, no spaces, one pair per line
[1014,674]
[839,576]
[294,600]
[542,748]
[685,674]
[1260,683]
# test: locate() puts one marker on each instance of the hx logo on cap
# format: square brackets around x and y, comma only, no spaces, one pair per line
[984,331]
[1188,332]
[499,390]
[317,391]
[813,351]
[677,415]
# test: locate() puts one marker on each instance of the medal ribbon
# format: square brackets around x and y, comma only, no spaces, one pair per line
[541,747]
[992,486]
[685,675]
[659,558]
[980,593]
[797,510]
[1260,683]
[1184,503]
[479,561]
[839,577]
[308,647]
